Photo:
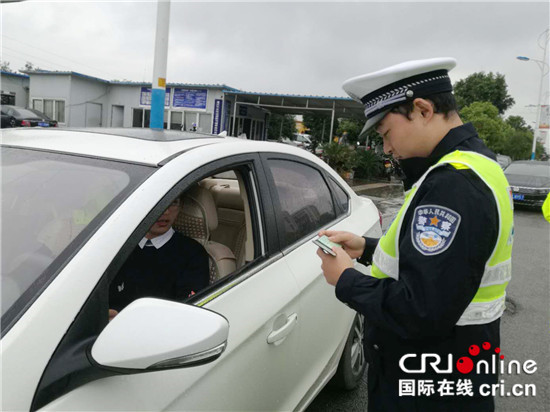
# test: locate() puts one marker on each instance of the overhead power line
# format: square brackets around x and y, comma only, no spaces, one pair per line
[27,56]
[53,54]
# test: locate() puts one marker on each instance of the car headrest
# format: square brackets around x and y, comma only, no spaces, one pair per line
[198,202]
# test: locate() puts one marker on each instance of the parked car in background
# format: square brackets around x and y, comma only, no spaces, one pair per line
[53,123]
[302,140]
[7,121]
[21,117]
[504,161]
[530,181]
[267,333]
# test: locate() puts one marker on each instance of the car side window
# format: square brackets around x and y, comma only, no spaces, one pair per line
[204,235]
[341,198]
[305,202]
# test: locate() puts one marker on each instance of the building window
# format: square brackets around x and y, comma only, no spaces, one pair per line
[176,120]
[8,98]
[54,109]
[141,117]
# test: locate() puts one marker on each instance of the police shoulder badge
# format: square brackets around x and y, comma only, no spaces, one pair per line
[433,228]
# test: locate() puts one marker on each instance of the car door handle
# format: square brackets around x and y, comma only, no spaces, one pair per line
[277,336]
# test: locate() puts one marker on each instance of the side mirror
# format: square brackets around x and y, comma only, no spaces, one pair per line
[154,334]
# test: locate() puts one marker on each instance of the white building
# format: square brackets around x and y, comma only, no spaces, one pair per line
[14,88]
[78,100]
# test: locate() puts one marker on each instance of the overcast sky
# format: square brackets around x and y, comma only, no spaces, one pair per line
[279,47]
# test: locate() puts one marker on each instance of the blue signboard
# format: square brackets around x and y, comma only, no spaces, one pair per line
[145,97]
[227,116]
[217,116]
[190,98]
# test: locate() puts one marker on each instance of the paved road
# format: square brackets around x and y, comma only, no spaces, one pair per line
[525,330]
[525,324]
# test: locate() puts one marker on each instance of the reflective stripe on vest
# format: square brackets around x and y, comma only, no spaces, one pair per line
[488,303]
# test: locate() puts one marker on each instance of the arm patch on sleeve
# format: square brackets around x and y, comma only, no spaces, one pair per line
[434,228]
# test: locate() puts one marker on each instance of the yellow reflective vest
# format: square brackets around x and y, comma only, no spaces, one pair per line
[488,303]
[546,208]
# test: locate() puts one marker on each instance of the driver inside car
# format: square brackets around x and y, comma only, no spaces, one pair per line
[165,264]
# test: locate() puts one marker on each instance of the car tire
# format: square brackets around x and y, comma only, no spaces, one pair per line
[12,122]
[353,362]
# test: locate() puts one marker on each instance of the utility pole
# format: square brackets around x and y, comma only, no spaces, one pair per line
[544,38]
[543,66]
[158,90]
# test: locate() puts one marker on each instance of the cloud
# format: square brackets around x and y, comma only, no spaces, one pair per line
[287,47]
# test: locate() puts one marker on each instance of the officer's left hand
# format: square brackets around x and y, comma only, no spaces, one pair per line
[334,266]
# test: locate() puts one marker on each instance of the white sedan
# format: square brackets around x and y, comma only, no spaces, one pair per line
[266,334]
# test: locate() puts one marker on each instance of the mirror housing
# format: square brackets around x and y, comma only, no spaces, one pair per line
[154,334]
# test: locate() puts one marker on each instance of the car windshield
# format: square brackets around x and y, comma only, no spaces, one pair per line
[40,114]
[50,203]
[26,113]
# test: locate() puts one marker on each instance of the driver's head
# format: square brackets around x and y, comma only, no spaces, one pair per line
[165,221]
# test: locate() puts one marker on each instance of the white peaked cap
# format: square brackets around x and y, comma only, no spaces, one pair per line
[381,90]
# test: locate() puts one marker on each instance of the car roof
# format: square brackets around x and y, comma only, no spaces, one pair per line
[135,145]
[532,162]
[18,109]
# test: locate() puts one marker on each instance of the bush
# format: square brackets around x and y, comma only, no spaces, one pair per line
[340,157]
[368,164]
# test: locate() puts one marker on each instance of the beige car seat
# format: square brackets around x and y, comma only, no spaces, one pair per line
[198,218]
[231,220]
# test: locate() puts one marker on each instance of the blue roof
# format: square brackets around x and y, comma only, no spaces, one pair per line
[67,73]
[127,82]
[225,88]
[24,76]
[194,85]
[302,96]
[217,86]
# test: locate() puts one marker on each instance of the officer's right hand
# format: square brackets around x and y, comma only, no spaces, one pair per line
[352,244]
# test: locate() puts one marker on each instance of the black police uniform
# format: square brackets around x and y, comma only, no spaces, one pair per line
[418,313]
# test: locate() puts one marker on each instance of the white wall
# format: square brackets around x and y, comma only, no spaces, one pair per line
[18,85]
[86,95]
[90,101]
[127,96]
[47,86]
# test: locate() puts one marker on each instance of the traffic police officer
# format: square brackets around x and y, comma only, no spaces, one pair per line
[439,274]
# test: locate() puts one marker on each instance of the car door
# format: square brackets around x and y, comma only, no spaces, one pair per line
[258,368]
[308,200]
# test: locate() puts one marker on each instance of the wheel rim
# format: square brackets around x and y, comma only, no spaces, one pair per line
[357,349]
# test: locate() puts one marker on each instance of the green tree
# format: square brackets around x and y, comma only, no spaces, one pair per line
[29,66]
[5,66]
[520,139]
[511,137]
[373,139]
[341,158]
[489,125]
[482,87]
[319,129]
[352,127]
[518,144]
[275,132]
[518,123]
[368,164]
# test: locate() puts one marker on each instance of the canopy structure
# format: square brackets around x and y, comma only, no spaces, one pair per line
[336,107]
